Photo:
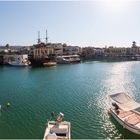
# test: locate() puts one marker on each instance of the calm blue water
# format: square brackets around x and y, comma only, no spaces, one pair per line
[80,91]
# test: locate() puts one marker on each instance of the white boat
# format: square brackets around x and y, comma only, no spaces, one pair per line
[68,59]
[16,60]
[58,129]
[123,110]
[17,63]
[62,60]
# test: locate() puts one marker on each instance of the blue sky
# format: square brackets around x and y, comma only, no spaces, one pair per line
[83,23]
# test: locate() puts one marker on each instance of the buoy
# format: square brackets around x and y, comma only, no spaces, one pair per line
[8,104]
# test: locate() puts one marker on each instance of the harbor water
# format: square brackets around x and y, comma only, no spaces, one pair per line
[80,91]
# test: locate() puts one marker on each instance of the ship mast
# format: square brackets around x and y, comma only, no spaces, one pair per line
[46,37]
[39,37]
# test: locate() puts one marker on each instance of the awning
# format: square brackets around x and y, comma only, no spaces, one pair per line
[124,101]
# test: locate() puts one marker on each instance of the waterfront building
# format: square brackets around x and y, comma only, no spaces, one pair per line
[115,51]
[134,50]
[9,49]
[24,50]
[57,48]
[99,51]
[134,44]
[123,53]
[88,52]
[4,49]
[71,50]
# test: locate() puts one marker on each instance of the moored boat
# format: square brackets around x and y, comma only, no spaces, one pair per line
[58,129]
[16,60]
[17,63]
[68,59]
[123,110]
[49,64]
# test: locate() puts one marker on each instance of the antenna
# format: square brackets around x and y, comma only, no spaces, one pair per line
[39,37]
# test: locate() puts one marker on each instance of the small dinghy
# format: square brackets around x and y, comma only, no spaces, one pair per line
[58,129]
[123,110]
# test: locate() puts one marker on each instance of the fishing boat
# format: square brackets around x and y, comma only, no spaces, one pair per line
[58,129]
[123,109]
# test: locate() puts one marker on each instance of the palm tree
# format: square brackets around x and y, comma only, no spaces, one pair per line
[7,46]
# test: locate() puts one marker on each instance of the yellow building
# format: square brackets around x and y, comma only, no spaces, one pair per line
[114,51]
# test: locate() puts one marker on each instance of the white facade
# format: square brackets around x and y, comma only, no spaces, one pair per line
[71,50]
[58,49]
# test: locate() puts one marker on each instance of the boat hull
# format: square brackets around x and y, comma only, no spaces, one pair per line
[124,124]
[68,59]
[17,64]
[54,128]
[49,64]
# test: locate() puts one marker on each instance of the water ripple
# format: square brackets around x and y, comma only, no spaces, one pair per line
[79,91]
